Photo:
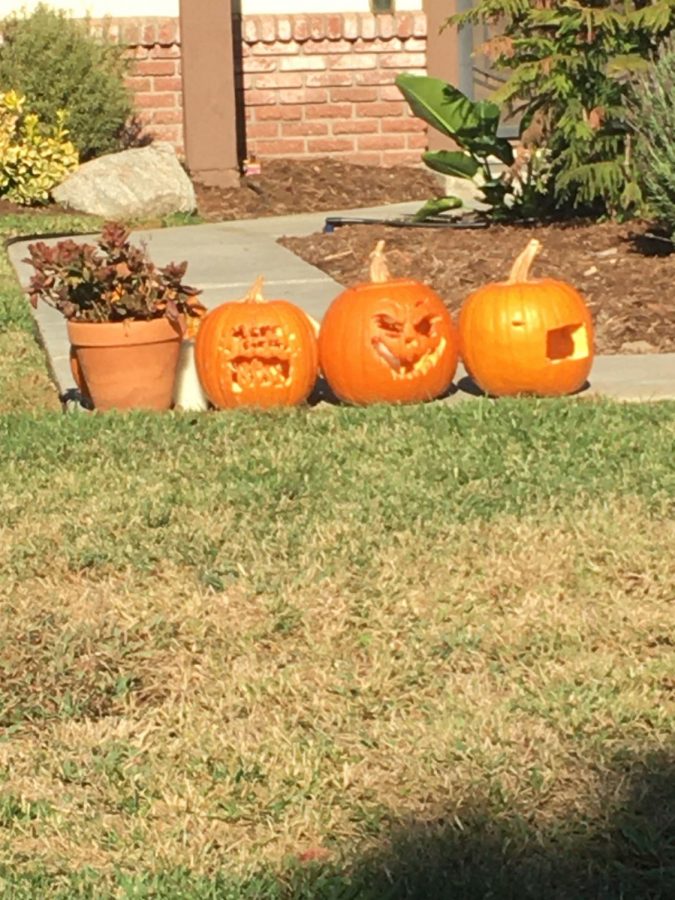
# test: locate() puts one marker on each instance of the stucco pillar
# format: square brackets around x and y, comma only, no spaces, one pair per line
[210,119]
[443,59]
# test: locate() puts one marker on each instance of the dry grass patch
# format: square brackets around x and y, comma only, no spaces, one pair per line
[233,640]
[508,666]
[24,381]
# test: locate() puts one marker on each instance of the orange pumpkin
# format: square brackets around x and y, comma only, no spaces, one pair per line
[256,353]
[388,341]
[526,336]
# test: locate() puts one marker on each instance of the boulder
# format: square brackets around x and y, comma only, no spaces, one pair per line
[147,181]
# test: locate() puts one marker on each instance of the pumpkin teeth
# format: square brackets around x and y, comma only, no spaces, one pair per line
[402,368]
[256,372]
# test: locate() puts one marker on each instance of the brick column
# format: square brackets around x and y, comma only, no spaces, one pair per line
[210,119]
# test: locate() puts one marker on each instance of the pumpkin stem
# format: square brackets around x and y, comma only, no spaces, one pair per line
[520,270]
[379,271]
[255,294]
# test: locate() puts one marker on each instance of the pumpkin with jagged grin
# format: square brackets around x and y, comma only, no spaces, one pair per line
[391,340]
[256,353]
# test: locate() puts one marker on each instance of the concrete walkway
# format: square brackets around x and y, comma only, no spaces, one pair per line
[225,258]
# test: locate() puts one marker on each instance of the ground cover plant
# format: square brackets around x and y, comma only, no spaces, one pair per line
[652,118]
[393,652]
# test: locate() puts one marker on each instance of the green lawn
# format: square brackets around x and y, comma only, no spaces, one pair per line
[336,653]
[433,642]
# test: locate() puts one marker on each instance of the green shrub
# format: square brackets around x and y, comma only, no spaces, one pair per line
[34,157]
[56,62]
[568,68]
[652,118]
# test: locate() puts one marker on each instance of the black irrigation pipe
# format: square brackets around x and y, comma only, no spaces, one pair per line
[333,222]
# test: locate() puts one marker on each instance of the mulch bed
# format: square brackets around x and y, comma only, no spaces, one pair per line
[287,186]
[626,277]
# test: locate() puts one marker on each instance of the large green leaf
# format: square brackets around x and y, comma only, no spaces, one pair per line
[472,125]
[447,109]
[436,206]
[484,146]
[451,162]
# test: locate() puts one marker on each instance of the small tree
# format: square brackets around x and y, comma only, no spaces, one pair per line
[569,67]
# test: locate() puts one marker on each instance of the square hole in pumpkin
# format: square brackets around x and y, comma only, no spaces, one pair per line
[568,342]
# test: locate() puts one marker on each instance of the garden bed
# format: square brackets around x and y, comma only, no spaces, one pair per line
[625,276]
[288,186]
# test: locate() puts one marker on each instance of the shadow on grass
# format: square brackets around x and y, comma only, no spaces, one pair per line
[626,853]
[322,393]
[468,386]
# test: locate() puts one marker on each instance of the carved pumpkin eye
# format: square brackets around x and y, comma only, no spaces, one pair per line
[388,323]
[425,326]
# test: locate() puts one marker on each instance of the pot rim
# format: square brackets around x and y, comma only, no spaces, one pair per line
[127,331]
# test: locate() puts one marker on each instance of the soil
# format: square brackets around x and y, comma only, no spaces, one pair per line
[626,276]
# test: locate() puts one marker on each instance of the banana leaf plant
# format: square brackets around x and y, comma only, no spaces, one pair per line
[472,125]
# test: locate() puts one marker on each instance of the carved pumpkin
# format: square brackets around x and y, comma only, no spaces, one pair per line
[526,336]
[256,353]
[388,341]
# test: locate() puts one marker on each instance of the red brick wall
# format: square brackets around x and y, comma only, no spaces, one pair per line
[155,75]
[324,84]
[312,84]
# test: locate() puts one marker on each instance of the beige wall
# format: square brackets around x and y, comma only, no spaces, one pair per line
[256,7]
[98,8]
[170,7]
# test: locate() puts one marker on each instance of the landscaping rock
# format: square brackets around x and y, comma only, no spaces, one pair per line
[147,181]
[637,347]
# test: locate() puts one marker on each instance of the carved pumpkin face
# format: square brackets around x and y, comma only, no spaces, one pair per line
[388,341]
[527,337]
[256,353]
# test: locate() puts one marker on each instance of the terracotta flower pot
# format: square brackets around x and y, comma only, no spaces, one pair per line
[78,377]
[128,365]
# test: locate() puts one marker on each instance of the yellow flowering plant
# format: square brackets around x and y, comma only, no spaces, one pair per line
[34,157]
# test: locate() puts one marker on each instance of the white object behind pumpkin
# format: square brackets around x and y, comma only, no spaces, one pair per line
[187,391]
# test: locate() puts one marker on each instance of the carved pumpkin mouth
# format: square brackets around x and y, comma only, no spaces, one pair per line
[568,342]
[259,356]
[408,362]
[407,344]
[254,372]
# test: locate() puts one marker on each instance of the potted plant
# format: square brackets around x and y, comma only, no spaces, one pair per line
[125,316]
